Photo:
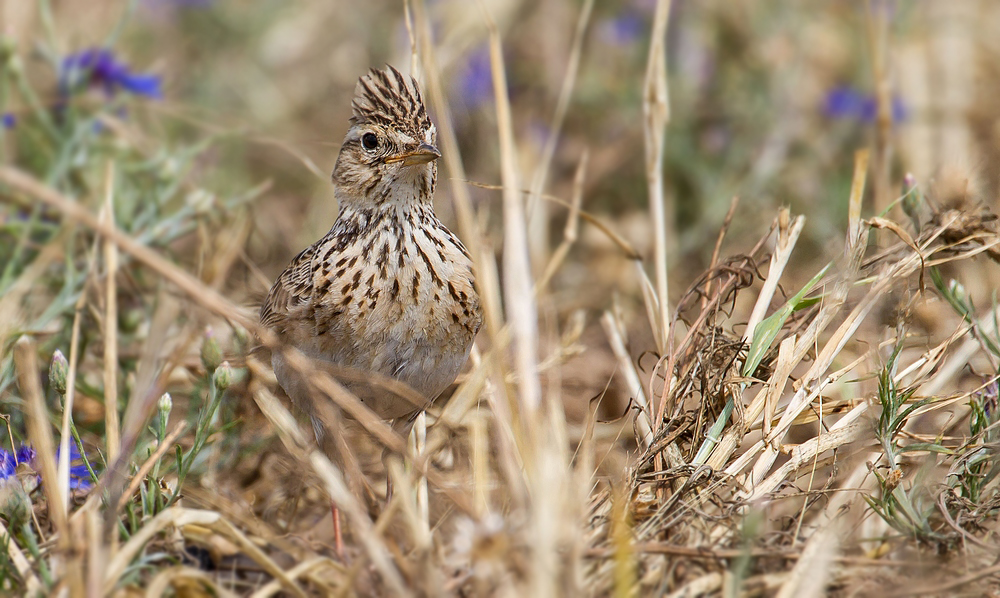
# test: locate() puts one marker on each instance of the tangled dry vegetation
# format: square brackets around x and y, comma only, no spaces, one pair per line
[829,439]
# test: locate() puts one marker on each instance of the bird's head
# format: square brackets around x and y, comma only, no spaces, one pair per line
[389,154]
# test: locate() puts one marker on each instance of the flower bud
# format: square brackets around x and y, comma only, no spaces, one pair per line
[165,404]
[211,355]
[129,320]
[58,372]
[957,290]
[223,376]
[200,200]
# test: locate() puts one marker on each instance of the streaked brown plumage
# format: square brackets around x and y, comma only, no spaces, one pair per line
[389,289]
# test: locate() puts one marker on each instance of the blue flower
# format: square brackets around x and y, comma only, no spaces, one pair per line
[476,79]
[79,476]
[849,104]
[9,120]
[98,67]
[10,461]
[622,30]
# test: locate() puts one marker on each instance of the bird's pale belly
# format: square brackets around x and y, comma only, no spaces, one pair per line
[420,345]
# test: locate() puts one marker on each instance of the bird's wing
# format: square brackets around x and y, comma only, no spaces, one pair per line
[291,292]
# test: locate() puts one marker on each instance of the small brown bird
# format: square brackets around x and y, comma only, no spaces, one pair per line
[389,290]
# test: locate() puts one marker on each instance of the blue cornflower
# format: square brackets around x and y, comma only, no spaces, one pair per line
[476,79]
[622,30]
[9,121]
[79,477]
[10,461]
[849,103]
[98,67]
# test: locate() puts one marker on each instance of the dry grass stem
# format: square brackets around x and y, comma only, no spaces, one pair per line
[788,235]
[592,219]
[571,229]
[643,426]
[112,433]
[467,227]
[809,576]
[537,212]
[40,433]
[20,562]
[656,114]
[519,300]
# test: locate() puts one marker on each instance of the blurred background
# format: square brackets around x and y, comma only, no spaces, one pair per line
[768,102]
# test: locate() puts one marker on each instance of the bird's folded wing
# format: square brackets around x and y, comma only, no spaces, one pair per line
[292,290]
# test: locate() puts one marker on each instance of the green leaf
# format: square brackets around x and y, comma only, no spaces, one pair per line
[769,327]
[926,446]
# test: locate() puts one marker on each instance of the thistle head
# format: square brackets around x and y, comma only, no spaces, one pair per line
[389,153]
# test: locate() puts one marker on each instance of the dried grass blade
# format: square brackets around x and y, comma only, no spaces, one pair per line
[274,586]
[418,446]
[446,133]
[845,431]
[854,203]
[208,298]
[571,229]
[20,562]
[482,254]
[140,475]
[656,116]
[40,433]
[519,298]
[70,397]
[112,433]
[782,370]
[96,552]
[537,212]
[809,576]
[223,527]
[632,380]
[167,578]
[462,401]
[652,304]
[586,216]
[788,236]
[62,468]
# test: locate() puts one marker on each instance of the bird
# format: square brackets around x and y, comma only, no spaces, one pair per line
[389,291]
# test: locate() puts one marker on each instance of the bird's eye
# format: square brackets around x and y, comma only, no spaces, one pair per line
[369,141]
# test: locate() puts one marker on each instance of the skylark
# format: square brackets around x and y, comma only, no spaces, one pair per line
[388,292]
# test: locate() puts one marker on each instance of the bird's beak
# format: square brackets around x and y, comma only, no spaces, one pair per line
[423,154]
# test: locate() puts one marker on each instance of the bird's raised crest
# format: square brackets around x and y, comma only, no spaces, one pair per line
[391,99]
